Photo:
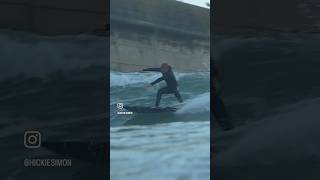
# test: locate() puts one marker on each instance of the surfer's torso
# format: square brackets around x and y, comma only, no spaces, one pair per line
[168,77]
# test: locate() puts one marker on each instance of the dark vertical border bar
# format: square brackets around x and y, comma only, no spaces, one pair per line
[211,85]
[108,90]
[55,92]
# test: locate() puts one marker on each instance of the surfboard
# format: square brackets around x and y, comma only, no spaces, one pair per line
[141,109]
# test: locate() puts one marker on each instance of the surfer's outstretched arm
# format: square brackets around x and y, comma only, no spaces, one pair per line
[157,81]
[152,69]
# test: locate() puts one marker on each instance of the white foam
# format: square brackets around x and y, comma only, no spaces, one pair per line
[200,103]
[135,78]
[47,54]
[138,79]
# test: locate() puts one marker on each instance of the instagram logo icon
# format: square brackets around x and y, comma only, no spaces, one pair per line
[120,106]
[32,139]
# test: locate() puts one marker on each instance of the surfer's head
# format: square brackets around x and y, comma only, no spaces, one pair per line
[164,67]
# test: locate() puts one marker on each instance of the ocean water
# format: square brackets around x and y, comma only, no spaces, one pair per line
[161,145]
[52,85]
[271,89]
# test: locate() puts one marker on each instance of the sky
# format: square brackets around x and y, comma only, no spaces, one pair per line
[201,3]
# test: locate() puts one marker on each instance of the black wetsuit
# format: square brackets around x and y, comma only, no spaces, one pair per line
[171,81]
[219,110]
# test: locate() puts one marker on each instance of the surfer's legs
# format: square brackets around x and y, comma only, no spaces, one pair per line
[161,91]
[219,111]
[178,96]
[167,90]
[158,98]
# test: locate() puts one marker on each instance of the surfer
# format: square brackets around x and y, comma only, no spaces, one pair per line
[169,78]
[219,109]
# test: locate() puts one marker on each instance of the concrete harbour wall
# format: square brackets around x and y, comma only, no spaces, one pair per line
[57,17]
[147,33]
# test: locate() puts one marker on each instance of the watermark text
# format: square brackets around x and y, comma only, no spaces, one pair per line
[47,162]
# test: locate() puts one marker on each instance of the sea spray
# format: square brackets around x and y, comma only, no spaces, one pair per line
[200,103]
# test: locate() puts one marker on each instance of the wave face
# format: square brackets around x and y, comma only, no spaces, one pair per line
[271,91]
[294,138]
[161,145]
[286,144]
[262,74]
[129,89]
[46,85]
[198,104]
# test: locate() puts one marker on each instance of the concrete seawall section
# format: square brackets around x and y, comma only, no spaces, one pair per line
[146,33]
[54,17]
[265,17]
[39,38]
[143,32]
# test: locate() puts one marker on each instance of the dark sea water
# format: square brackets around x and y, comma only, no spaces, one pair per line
[271,89]
[161,145]
[53,85]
